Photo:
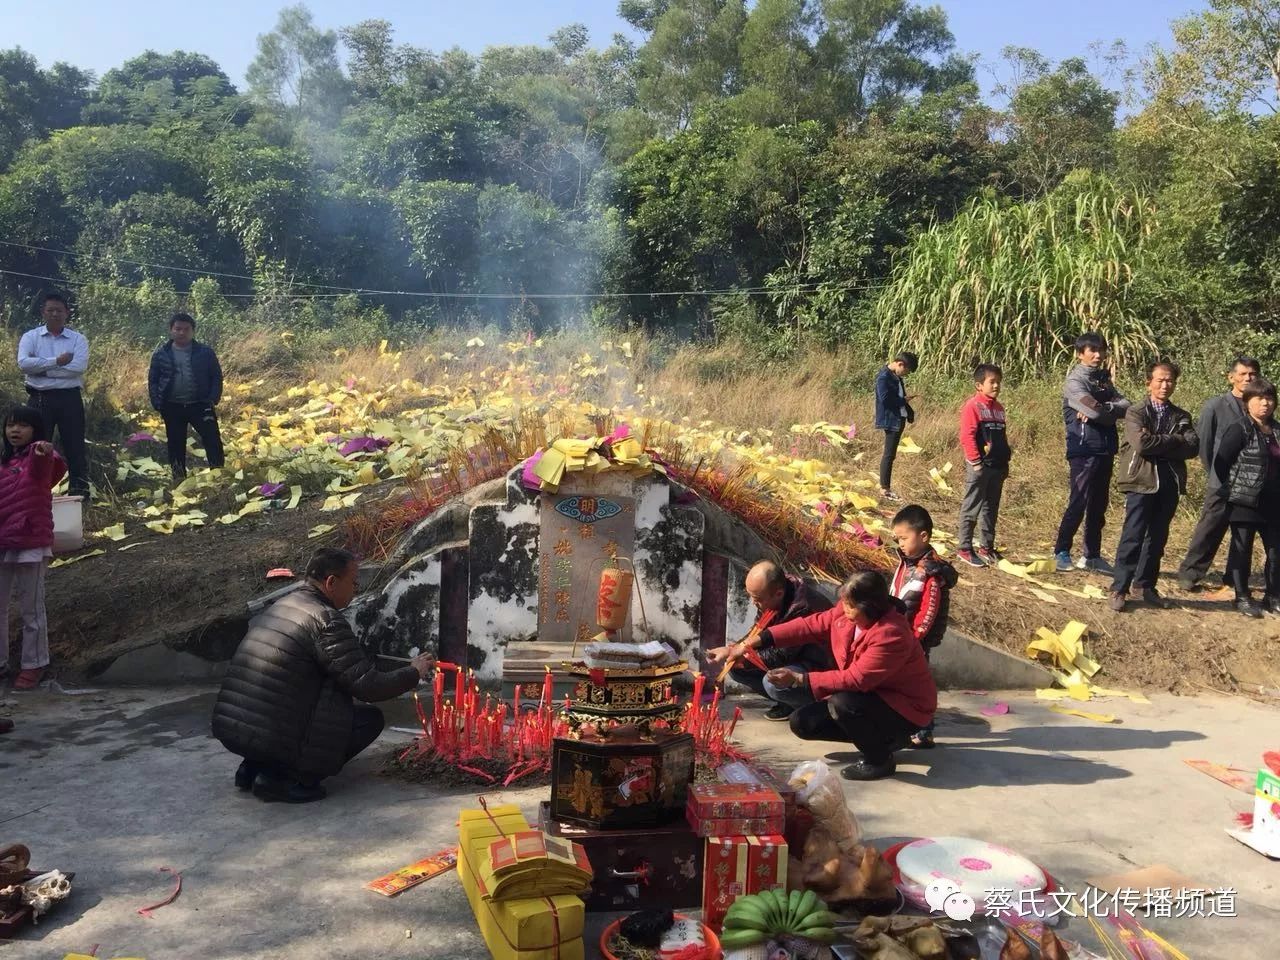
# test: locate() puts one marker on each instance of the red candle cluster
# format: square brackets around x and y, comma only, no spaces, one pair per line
[711,735]
[466,728]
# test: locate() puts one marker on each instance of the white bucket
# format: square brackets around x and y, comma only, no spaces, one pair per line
[68,524]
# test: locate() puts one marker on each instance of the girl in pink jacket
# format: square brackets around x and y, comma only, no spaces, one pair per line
[29,469]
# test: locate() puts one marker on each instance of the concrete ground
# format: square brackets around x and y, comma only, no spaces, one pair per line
[118,783]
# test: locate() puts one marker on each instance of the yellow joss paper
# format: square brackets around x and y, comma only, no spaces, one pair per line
[1098,717]
[295,496]
[907,445]
[114,533]
[63,561]
[1064,650]
[1037,567]
[319,530]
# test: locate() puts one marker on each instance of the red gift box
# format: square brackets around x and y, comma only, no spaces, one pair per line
[740,865]
[733,801]
[734,826]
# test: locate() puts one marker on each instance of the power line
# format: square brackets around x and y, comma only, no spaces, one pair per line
[811,287]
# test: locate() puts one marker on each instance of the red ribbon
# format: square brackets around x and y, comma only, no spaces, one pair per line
[146,911]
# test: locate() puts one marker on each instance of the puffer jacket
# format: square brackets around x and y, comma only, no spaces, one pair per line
[1243,465]
[287,699]
[924,586]
[26,499]
[800,601]
[1150,449]
[205,370]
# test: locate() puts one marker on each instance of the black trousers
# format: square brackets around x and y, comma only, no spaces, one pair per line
[863,719]
[177,418]
[1240,557]
[1087,500]
[366,727]
[63,411]
[891,438]
[1146,532]
[1207,536]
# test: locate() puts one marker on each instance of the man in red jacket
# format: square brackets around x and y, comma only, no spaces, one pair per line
[881,689]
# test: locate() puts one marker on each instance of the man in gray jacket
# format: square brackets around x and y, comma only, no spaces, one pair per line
[1215,416]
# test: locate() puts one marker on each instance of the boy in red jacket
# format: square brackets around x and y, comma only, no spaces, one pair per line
[923,583]
[987,455]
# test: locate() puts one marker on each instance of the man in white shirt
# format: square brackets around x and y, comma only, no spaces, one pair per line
[53,360]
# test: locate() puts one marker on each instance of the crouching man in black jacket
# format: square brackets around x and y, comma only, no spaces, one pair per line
[286,704]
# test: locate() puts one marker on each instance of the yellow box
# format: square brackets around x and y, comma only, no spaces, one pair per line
[515,929]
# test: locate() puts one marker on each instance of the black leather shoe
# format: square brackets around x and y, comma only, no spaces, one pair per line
[1152,598]
[779,712]
[862,770]
[244,776]
[272,789]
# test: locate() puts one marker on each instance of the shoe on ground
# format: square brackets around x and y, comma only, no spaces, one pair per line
[6,725]
[1095,565]
[245,775]
[28,679]
[779,712]
[1187,585]
[990,555]
[862,770]
[969,557]
[1062,562]
[1249,609]
[1272,605]
[921,740]
[1151,597]
[1117,602]
[890,496]
[277,789]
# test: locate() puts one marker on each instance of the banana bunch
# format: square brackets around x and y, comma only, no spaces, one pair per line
[761,916]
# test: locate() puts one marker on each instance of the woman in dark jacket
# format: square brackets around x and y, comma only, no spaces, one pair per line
[286,704]
[1247,464]
[881,690]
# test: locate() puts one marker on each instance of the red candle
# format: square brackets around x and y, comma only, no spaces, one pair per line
[737,715]
[457,690]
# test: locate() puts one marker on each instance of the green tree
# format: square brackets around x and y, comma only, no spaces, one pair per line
[154,86]
[33,101]
[691,58]
[1058,120]
[297,67]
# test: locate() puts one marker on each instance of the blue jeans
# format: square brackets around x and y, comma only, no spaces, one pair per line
[751,677]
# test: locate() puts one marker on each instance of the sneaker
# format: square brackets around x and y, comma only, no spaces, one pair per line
[890,496]
[1249,609]
[1095,565]
[28,679]
[1151,597]
[921,740]
[1118,601]
[272,789]
[969,557]
[1062,562]
[990,556]
[1188,585]
[862,770]
[779,712]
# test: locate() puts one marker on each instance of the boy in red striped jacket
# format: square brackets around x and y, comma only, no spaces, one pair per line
[922,584]
[987,455]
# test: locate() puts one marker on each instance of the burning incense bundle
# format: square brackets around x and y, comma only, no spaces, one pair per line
[753,658]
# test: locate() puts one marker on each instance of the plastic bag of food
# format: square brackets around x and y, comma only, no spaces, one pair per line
[821,792]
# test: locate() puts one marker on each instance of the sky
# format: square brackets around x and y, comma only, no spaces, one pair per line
[95,35]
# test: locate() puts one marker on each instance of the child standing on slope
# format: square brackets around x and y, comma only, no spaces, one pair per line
[986,455]
[893,413]
[29,469]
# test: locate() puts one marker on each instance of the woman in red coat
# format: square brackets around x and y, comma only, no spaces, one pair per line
[880,691]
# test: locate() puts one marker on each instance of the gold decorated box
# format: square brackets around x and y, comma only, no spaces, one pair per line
[615,695]
[606,785]
[538,928]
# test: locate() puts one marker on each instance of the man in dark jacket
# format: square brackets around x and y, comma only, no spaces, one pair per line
[779,598]
[185,384]
[286,703]
[1158,441]
[1216,415]
[1091,407]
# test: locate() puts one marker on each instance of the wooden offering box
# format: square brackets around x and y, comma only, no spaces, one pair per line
[613,695]
[605,785]
[648,867]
